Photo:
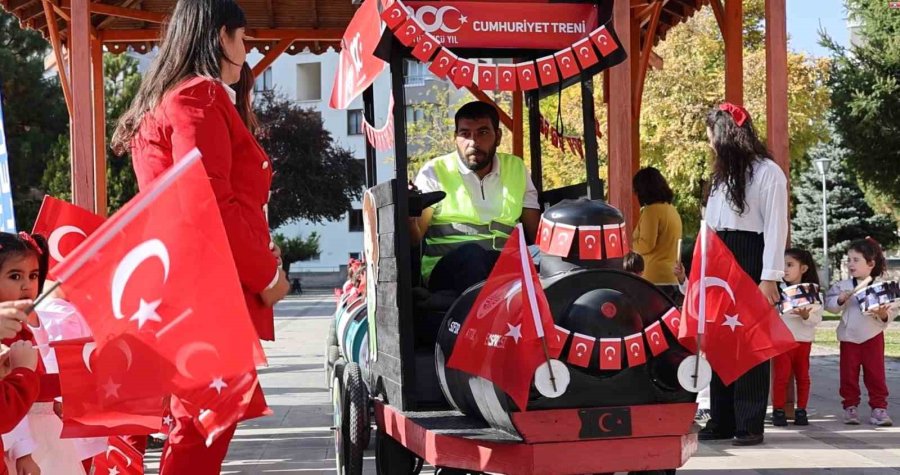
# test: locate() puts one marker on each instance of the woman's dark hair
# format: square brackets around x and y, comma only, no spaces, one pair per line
[737,147]
[871,252]
[633,262]
[651,187]
[22,244]
[244,101]
[190,47]
[811,276]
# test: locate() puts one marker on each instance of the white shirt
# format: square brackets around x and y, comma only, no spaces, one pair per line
[765,212]
[486,193]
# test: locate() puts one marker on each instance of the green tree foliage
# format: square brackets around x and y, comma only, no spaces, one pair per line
[865,95]
[316,180]
[849,215]
[297,248]
[121,83]
[34,114]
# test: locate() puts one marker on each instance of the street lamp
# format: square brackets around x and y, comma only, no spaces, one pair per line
[822,164]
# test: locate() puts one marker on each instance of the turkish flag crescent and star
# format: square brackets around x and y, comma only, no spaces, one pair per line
[741,329]
[65,226]
[120,458]
[158,277]
[503,331]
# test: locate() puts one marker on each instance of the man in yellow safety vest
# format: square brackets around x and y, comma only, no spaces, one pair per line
[487,194]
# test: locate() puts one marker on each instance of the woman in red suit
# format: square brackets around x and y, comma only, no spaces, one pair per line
[184,102]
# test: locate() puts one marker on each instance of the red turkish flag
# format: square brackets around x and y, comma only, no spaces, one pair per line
[487,77]
[426,47]
[612,236]
[506,347]
[672,319]
[506,77]
[394,15]
[568,66]
[656,339]
[65,226]
[604,41]
[585,53]
[581,350]
[102,394]
[741,329]
[634,350]
[527,76]
[409,32]
[546,67]
[611,353]
[559,337]
[161,274]
[442,63]
[563,236]
[120,458]
[590,242]
[357,64]
[545,235]
[464,74]
[222,404]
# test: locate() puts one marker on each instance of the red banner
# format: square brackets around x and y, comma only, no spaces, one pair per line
[357,66]
[505,25]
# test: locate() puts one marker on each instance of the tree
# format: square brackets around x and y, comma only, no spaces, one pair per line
[316,180]
[121,83]
[865,94]
[849,215]
[34,114]
[297,248]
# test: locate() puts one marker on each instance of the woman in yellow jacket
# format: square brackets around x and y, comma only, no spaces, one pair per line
[658,230]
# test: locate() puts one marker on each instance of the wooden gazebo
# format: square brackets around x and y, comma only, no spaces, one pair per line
[79,30]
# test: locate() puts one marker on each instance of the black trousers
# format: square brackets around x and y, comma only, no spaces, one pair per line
[462,268]
[740,408]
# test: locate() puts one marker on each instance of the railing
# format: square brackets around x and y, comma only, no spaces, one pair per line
[418,80]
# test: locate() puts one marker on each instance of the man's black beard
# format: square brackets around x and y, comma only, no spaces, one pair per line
[476,166]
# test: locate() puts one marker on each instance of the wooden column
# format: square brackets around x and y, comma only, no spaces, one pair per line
[82,132]
[99,101]
[518,129]
[621,116]
[777,83]
[733,33]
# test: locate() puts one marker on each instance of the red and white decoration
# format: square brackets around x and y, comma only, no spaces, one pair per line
[594,242]
[382,138]
[574,143]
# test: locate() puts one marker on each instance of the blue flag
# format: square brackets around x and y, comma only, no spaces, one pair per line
[7,216]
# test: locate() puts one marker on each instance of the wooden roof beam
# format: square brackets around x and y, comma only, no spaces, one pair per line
[53,29]
[297,34]
[271,55]
[645,58]
[120,12]
[719,12]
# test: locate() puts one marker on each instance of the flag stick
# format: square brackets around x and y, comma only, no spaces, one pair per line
[41,297]
[701,317]
[678,251]
[527,272]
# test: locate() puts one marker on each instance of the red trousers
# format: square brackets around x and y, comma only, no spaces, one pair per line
[795,361]
[870,357]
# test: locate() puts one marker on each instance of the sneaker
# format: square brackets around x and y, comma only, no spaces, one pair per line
[851,416]
[800,418]
[779,419]
[880,418]
[702,415]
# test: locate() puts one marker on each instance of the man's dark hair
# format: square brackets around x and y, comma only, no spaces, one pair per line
[478,110]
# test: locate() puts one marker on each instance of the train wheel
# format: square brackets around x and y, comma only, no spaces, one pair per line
[392,458]
[356,418]
[331,338]
[337,406]
[332,354]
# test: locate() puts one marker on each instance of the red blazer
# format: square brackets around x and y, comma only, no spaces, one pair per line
[18,391]
[199,113]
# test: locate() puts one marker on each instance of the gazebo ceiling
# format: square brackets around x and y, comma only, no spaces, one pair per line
[313,24]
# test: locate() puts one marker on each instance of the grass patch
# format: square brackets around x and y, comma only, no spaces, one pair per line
[828,337]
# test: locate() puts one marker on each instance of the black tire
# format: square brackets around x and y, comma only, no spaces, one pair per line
[337,372]
[356,419]
[331,338]
[332,354]
[337,407]
[392,458]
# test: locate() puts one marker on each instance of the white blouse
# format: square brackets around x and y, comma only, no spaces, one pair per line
[766,212]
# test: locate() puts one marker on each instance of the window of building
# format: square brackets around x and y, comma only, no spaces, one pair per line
[354,122]
[415,72]
[414,114]
[355,221]
[264,81]
[354,255]
[309,82]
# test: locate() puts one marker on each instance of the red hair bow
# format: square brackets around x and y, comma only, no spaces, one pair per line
[31,242]
[738,113]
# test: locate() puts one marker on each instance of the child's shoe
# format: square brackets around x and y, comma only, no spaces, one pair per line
[880,418]
[800,418]
[779,419]
[851,416]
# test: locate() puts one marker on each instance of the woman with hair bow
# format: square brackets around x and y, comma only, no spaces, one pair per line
[747,208]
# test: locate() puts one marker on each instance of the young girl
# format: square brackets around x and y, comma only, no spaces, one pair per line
[799,267]
[34,445]
[861,334]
